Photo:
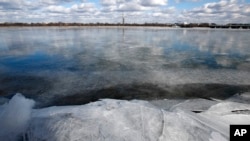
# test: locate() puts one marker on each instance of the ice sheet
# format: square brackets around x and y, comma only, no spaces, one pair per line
[118,120]
[121,120]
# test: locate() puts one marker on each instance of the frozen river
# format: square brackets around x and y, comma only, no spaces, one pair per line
[70,65]
[182,84]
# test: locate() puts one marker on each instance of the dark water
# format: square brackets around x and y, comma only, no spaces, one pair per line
[78,65]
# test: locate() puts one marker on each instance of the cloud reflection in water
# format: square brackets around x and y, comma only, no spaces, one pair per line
[75,60]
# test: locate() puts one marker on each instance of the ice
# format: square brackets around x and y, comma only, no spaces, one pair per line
[103,120]
[196,105]
[166,104]
[226,107]
[241,98]
[229,113]
[14,117]
[67,83]
[119,120]
[217,137]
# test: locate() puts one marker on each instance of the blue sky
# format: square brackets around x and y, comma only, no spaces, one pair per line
[135,11]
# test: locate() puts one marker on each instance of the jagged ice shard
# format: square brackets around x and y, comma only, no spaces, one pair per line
[14,117]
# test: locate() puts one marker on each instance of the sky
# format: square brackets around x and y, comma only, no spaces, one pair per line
[134,11]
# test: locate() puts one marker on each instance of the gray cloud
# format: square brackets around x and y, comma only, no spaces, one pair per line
[13,5]
[130,7]
[178,1]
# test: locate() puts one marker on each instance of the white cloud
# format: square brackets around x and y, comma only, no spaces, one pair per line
[54,2]
[58,9]
[153,2]
[169,10]
[108,2]
[223,11]
[83,7]
[131,5]
[76,8]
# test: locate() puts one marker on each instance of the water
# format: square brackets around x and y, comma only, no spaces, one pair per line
[71,65]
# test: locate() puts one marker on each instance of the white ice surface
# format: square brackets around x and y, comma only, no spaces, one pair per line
[14,117]
[224,111]
[120,120]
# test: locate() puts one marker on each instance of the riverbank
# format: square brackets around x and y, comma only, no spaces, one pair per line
[168,25]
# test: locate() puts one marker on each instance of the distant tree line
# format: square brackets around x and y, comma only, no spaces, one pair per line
[83,24]
[184,25]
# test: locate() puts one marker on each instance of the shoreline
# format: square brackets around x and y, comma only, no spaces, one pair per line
[126,27]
